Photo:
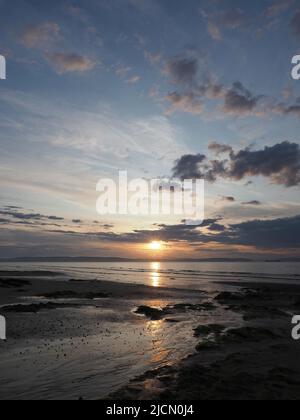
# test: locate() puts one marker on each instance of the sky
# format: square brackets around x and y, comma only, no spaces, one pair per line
[159,88]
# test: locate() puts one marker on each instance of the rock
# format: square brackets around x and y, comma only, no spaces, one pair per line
[69,294]
[33,308]
[203,330]
[255,334]
[172,320]
[154,314]
[228,296]
[183,307]
[206,346]
[8,283]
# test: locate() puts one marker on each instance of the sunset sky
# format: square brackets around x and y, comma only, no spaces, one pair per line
[157,88]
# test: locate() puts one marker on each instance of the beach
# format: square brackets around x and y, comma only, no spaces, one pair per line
[72,338]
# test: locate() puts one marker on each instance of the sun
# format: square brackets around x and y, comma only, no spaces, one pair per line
[155,246]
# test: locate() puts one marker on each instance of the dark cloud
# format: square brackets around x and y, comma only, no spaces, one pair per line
[186,102]
[188,166]
[193,88]
[18,213]
[216,227]
[287,109]
[278,233]
[13,207]
[294,110]
[56,218]
[219,149]
[108,226]
[167,185]
[166,233]
[70,63]
[239,100]
[229,199]
[252,203]
[182,70]
[295,23]
[280,163]
[104,225]
[271,234]
[283,233]
[21,215]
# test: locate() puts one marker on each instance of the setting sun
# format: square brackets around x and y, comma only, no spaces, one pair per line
[155,246]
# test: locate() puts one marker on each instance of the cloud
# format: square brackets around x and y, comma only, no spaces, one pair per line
[182,70]
[278,7]
[214,31]
[77,13]
[230,19]
[280,163]
[239,100]
[133,80]
[122,71]
[288,109]
[152,58]
[278,233]
[16,213]
[193,89]
[233,18]
[271,234]
[55,218]
[166,233]
[216,227]
[252,203]
[70,63]
[295,23]
[186,102]
[36,36]
[219,149]
[188,166]
[20,215]
[228,199]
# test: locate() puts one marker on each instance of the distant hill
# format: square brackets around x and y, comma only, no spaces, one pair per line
[115,259]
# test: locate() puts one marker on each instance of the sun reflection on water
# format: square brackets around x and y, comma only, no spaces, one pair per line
[155,274]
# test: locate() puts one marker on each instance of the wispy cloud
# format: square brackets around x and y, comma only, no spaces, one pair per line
[278,7]
[70,63]
[133,80]
[37,36]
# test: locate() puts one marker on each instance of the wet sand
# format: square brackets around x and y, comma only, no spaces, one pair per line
[70,339]
[257,361]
